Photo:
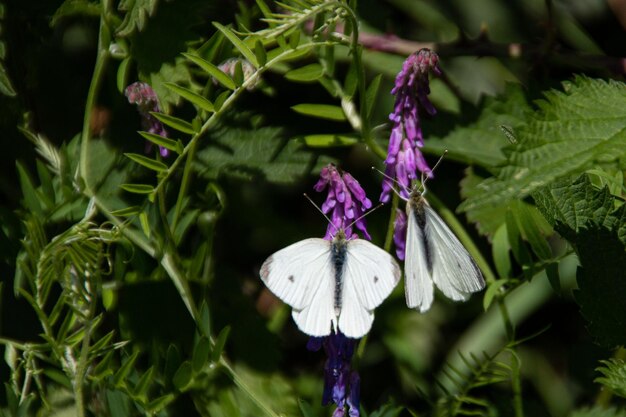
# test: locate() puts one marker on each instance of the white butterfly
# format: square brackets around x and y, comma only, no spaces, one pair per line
[435,255]
[332,284]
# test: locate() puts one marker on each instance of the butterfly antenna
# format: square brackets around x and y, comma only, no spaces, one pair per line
[379,205]
[393,180]
[425,178]
[320,210]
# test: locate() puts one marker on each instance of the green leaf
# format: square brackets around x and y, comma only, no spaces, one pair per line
[137,14]
[370,95]
[138,188]
[238,43]
[259,52]
[253,153]
[492,291]
[329,141]
[573,130]
[597,411]
[167,143]
[189,95]
[613,376]
[220,342]
[308,73]
[141,389]
[594,222]
[204,323]
[350,83]
[500,249]
[147,162]
[552,271]
[176,72]
[200,354]
[122,75]
[213,71]
[145,223]
[305,408]
[155,406]
[31,198]
[238,73]
[323,111]
[119,380]
[183,376]
[174,122]
[533,228]
[482,142]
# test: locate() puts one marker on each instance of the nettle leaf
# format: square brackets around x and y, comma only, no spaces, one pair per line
[482,142]
[168,73]
[613,376]
[594,222]
[137,14]
[260,152]
[571,131]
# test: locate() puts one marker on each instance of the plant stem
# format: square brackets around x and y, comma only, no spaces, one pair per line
[392,218]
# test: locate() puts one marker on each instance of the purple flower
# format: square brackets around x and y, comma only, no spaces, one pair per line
[341,385]
[399,233]
[146,100]
[346,202]
[411,89]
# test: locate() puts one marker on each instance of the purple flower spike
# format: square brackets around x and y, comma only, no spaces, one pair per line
[341,385]
[147,101]
[411,89]
[399,233]
[346,202]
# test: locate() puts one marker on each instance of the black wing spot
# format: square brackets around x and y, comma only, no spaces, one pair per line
[375,279]
[290,278]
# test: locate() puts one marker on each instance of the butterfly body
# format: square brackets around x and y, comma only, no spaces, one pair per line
[435,256]
[331,285]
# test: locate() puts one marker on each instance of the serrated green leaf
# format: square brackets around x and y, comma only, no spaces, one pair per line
[573,129]
[323,111]
[482,142]
[212,70]
[371,93]
[256,153]
[329,141]
[189,95]
[174,122]
[147,162]
[138,188]
[594,222]
[183,376]
[308,73]
[201,352]
[220,342]
[238,43]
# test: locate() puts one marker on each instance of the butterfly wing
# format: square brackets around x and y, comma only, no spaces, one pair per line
[369,276]
[454,271]
[302,276]
[418,286]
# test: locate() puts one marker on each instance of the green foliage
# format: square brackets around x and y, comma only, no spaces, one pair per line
[598,411]
[572,130]
[613,376]
[594,222]
[137,274]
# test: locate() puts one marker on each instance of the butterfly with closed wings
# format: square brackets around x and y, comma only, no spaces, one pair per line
[332,285]
[434,255]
